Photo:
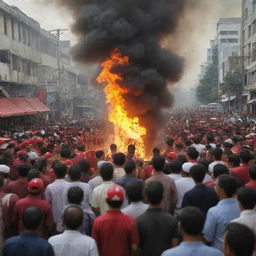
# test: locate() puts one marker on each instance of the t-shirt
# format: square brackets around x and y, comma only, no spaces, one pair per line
[19,187]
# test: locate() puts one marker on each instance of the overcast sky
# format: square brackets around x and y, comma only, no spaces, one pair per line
[50,17]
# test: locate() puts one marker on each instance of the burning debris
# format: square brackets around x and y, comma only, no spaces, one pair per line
[125,36]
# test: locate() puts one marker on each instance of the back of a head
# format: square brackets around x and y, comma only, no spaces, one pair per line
[191,220]
[129,167]
[247,197]
[169,141]
[154,191]
[205,163]
[106,171]
[84,165]
[75,195]
[158,163]
[198,173]
[228,183]
[119,159]
[75,172]
[60,170]
[32,218]
[234,159]
[192,153]
[175,166]
[134,191]
[65,152]
[246,156]
[210,138]
[81,148]
[220,169]
[41,163]
[34,173]
[252,172]
[197,139]
[23,170]
[156,151]
[73,217]
[217,153]
[99,154]
[239,239]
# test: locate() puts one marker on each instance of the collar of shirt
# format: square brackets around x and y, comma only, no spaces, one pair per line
[158,173]
[114,212]
[191,244]
[227,201]
[28,234]
[60,180]
[73,232]
[248,212]
[137,203]
[108,182]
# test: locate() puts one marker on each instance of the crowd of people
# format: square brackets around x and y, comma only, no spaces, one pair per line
[196,196]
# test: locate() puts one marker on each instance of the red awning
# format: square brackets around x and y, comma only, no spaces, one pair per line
[24,105]
[38,105]
[8,108]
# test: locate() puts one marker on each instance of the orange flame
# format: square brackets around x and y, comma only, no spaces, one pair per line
[127,130]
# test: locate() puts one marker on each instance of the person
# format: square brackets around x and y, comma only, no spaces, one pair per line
[220,215]
[175,168]
[200,196]
[218,170]
[65,153]
[79,155]
[184,184]
[119,161]
[134,192]
[72,242]
[115,233]
[19,186]
[170,193]
[192,154]
[75,174]
[99,204]
[210,141]
[197,144]
[33,199]
[191,221]
[252,175]
[246,198]
[100,156]
[239,240]
[217,157]
[158,229]
[130,174]
[56,193]
[22,158]
[29,243]
[131,153]
[242,172]
[86,171]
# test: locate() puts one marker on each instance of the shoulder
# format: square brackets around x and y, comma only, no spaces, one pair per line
[173,252]
[56,238]
[13,240]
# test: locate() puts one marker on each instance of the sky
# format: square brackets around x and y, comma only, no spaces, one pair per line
[200,31]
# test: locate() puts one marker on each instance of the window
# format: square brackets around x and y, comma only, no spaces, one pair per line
[12,24]
[230,40]
[24,35]
[223,33]
[249,31]
[19,31]
[5,25]
[29,37]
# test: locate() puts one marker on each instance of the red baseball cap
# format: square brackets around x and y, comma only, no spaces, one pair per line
[35,185]
[115,193]
[48,155]
[68,162]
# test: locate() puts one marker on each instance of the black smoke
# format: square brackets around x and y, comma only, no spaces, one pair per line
[136,28]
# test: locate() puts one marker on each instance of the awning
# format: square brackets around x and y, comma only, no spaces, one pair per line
[38,105]
[228,99]
[8,108]
[24,105]
[251,101]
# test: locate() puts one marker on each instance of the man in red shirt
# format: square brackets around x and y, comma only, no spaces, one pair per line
[252,175]
[35,188]
[242,172]
[79,154]
[22,158]
[115,233]
[19,186]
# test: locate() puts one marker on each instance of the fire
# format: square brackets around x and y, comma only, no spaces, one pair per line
[127,129]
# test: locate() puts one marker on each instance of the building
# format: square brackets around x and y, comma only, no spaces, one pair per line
[248,49]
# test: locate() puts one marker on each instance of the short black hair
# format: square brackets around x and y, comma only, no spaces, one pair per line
[34,173]
[252,172]
[1,181]
[192,220]
[129,167]
[246,156]
[182,159]
[197,139]
[154,191]
[240,239]
[75,172]
[220,169]
[114,204]
[119,159]
[41,163]
[234,159]
[205,163]
[169,141]
[73,217]
[247,197]
[175,166]
[75,195]
[158,163]
[156,151]
[210,138]
[192,153]
[217,153]
[23,169]
[198,172]
[134,191]
[106,171]
[60,169]
[113,147]
[65,152]
[99,154]
[32,218]
[81,147]
[132,147]
[228,183]
[84,165]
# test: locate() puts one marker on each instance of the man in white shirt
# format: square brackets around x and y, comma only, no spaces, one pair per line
[56,193]
[72,242]
[97,180]
[99,204]
[119,161]
[75,176]
[184,184]
[175,167]
[136,207]
[197,144]
[217,156]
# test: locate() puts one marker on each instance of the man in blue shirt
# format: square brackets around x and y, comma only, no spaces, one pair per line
[219,216]
[29,243]
[191,226]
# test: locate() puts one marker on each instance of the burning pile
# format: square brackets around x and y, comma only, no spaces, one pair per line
[125,36]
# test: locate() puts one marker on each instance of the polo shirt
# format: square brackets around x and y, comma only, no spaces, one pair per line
[242,173]
[34,201]
[18,187]
[156,229]
[114,233]
[192,249]
[217,219]
[200,196]
[27,244]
